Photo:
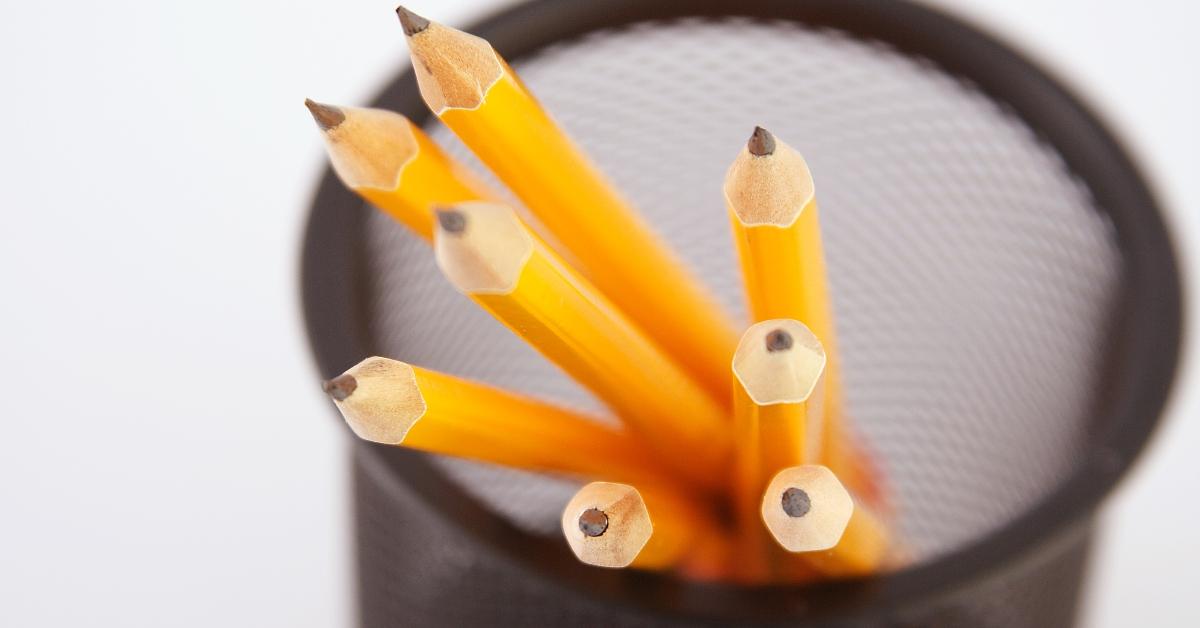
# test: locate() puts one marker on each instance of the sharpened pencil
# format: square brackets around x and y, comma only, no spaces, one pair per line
[393,164]
[393,403]
[490,256]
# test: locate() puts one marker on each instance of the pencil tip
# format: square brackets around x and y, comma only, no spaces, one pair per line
[411,22]
[327,116]
[451,220]
[340,387]
[778,340]
[796,503]
[761,143]
[593,522]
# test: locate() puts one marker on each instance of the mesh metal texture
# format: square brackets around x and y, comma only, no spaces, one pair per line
[973,277]
[415,570]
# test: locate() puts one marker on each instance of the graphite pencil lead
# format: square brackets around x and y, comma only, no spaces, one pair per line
[411,22]
[778,340]
[451,220]
[340,387]
[593,522]
[327,116]
[761,143]
[795,502]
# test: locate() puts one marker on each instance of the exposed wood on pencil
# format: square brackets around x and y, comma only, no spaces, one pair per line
[809,512]
[769,183]
[607,524]
[392,163]
[485,253]
[368,148]
[613,525]
[454,69]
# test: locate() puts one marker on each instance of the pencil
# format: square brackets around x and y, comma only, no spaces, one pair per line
[466,83]
[613,525]
[393,403]
[808,511]
[490,256]
[393,164]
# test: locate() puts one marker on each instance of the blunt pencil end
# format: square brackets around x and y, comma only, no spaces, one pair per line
[327,116]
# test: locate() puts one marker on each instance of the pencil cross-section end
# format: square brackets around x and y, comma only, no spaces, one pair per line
[607,524]
[380,399]
[807,509]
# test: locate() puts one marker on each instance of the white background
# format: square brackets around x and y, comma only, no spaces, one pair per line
[166,457]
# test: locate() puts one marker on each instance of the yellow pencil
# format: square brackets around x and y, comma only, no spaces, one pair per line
[391,163]
[490,256]
[474,92]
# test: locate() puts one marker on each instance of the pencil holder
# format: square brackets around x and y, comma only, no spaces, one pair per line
[1007,300]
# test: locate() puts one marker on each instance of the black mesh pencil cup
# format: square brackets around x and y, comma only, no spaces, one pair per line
[1007,300]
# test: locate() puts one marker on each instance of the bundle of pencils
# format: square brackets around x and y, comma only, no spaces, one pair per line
[734,459]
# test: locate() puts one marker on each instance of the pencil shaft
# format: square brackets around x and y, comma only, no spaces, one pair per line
[483,423]
[562,318]
[431,179]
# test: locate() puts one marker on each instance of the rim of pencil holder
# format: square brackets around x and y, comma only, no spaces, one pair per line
[1148,325]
